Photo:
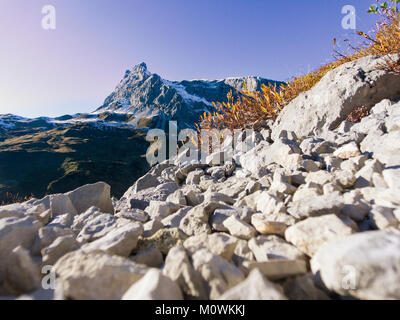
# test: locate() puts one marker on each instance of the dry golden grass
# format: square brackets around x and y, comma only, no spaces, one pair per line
[10,198]
[251,107]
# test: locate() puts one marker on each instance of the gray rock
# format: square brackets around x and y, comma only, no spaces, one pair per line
[346,179]
[345,126]
[61,204]
[139,204]
[219,274]
[216,172]
[269,204]
[215,159]
[173,174]
[147,181]
[46,236]
[320,177]
[354,164]
[161,209]
[35,210]
[283,152]
[141,199]
[303,288]
[15,232]
[317,206]
[332,163]
[347,151]
[364,265]
[177,197]
[193,196]
[255,287]
[266,226]
[154,286]
[59,247]
[370,124]
[62,221]
[179,268]
[382,106]
[365,175]
[308,190]
[218,197]
[314,146]
[356,207]
[220,244]
[82,219]
[174,220]
[384,147]
[22,273]
[279,269]
[134,215]
[151,227]
[96,275]
[392,178]
[96,228]
[118,241]
[239,228]
[92,195]
[267,248]
[196,220]
[194,176]
[331,188]
[383,217]
[311,234]
[220,215]
[252,187]
[392,123]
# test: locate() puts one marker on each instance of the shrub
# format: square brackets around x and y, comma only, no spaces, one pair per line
[357,114]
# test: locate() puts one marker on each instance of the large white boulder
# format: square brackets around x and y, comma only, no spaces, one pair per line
[92,195]
[96,275]
[15,232]
[327,104]
[365,265]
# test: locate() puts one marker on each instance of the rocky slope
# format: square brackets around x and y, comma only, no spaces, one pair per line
[299,216]
[52,155]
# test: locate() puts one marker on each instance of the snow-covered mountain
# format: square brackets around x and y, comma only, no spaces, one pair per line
[145,96]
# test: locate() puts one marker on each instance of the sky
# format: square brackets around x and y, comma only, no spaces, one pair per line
[73,68]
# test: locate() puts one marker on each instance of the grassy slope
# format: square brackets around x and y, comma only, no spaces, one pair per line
[62,159]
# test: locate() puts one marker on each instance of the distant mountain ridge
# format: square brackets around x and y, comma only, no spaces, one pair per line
[145,100]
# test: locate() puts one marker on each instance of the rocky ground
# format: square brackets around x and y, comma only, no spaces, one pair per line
[311,212]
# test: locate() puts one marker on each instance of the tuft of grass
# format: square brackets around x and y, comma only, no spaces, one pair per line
[252,107]
[10,198]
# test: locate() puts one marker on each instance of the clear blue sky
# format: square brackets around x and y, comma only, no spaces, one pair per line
[73,68]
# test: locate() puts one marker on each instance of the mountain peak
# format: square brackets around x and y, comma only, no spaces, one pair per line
[141,67]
